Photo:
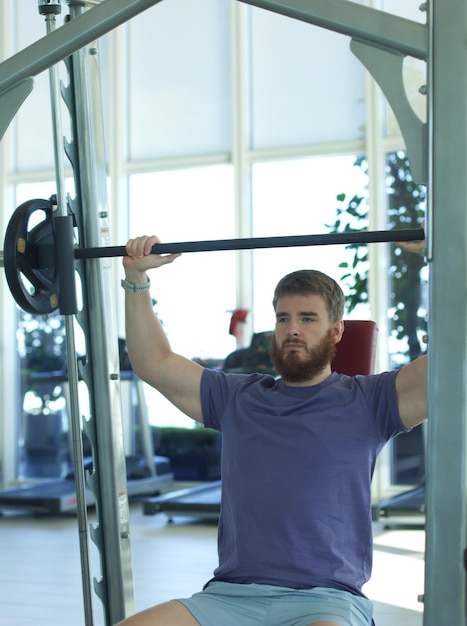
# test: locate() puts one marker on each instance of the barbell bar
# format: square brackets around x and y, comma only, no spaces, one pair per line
[254,243]
[45,254]
[248,243]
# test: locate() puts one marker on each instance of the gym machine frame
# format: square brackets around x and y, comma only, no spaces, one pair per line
[438,154]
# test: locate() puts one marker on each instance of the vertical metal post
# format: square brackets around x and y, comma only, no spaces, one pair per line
[98,320]
[50,10]
[445,588]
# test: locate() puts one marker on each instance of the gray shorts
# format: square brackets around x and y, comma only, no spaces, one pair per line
[232,604]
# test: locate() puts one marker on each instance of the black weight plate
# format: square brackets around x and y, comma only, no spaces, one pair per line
[33,286]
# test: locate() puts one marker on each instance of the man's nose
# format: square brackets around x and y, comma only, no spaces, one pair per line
[293,330]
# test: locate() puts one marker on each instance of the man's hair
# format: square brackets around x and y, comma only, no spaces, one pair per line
[313,282]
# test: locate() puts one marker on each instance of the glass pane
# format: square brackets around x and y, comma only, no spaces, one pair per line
[408,272]
[179,79]
[196,294]
[33,123]
[299,197]
[306,85]
[43,421]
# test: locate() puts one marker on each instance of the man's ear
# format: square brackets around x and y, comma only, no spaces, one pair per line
[338,330]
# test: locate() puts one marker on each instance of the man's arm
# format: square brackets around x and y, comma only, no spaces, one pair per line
[411,381]
[151,356]
[411,387]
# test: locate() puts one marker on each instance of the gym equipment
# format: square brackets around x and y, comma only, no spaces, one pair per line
[255,358]
[203,501]
[49,11]
[410,504]
[58,496]
[39,261]
[355,354]
[381,41]
[147,474]
[22,259]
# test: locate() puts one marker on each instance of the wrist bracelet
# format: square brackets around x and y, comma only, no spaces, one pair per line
[135,287]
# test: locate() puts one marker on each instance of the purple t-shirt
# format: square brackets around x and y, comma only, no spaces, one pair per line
[297,463]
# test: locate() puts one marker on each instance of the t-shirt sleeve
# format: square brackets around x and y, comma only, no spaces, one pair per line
[381,397]
[214,394]
[217,391]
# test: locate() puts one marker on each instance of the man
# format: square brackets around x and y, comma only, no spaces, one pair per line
[295,543]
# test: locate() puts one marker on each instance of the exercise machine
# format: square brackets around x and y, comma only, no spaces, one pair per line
[146,473]
[438,153]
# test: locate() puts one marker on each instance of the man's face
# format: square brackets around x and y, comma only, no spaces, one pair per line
[305,340]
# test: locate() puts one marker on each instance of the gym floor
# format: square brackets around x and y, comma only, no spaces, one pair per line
[40,577]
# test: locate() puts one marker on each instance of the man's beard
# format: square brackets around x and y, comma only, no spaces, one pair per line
[294,368]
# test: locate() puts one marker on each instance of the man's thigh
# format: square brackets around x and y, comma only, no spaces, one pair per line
[231,604]
[322,607]
[171,613]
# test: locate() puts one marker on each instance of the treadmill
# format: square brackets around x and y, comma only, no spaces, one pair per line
[404,507]
[407,507]
[147,474]
[203,501]
[58,495]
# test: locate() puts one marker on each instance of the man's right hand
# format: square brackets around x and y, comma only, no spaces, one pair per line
[140,257]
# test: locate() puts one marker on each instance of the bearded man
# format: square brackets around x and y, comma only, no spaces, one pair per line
[298,454]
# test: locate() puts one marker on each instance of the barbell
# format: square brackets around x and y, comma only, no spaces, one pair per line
[39,261]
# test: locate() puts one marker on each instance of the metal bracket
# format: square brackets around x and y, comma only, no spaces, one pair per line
[387,69]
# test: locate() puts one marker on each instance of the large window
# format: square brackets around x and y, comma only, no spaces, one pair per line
[195,296]
[179,83]
[306,87]
[299,197]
